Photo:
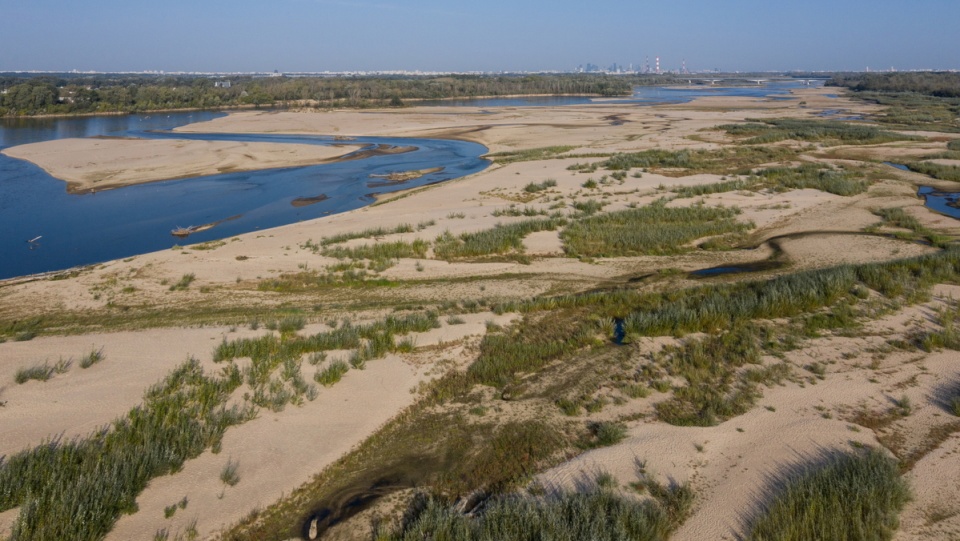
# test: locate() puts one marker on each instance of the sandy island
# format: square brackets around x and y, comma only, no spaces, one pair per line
[105,163]
[728,465]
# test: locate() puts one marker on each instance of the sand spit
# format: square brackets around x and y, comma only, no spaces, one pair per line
[104,163]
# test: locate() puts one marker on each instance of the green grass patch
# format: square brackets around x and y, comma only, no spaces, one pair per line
[827,132]
[898,217]
[92,358]
[936,170]
[77,489]
[603,434]
[531,154]
[41,372]
[536,187]
[381,250]
[529,346]
[721,161]
[501,239]
[184,283]
[714,390]
[365,234]
[812,176]
[651,230]
[597,515]
[852,496]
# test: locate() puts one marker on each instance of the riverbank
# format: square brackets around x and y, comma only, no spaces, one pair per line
[98,164]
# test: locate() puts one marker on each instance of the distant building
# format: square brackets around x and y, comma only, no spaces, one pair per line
[221,84]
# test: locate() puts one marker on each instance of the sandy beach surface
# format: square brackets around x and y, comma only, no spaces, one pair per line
[146,328]
[103,164]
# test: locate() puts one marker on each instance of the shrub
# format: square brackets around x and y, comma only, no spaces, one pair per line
[184,282]
[332,373]
[91,358]
[605,434]
[535,187]
[229,473]
[39,372]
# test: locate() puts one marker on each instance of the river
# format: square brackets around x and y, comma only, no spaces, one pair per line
[80,229]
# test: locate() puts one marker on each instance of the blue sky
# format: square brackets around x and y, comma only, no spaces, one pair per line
[457,35]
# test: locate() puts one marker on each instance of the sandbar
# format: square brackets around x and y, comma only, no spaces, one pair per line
[104,163]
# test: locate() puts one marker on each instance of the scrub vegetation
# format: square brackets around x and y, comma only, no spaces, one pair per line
[826,132]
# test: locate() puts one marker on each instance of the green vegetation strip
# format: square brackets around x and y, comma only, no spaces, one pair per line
[598,515]
[530,154]
[897,217]
[938,171]
[651,230]
[725,160]
[829,132]
[78,489]
[501,239]
[720,306]
[365,234]
[381,250]
[853,496]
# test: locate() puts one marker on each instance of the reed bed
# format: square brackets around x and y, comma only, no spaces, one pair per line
[712,188]
[714,388]
[829,132]
[529,347]
[500,239]
[897,217]
[721,161]
[381,250]
[530,154]
[812,176]
[535,187]
[598,515]
[851,496]
[720,306]
[651,230]
[936,170]
[77,489]
[365,234]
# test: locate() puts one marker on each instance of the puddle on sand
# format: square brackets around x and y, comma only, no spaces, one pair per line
[943,202]
[736,269]
[899,166]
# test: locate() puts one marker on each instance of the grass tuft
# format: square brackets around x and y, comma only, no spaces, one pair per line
[852,496]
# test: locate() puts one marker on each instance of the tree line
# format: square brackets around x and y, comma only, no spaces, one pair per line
[24,95]
[931,83]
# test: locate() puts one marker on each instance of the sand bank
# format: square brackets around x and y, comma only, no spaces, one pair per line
[105,163]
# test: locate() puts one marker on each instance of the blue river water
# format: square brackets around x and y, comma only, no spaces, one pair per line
[642,95]
[80,229]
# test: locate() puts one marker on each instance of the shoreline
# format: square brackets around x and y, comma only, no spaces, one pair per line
[92,164]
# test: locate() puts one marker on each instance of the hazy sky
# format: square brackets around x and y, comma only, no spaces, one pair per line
[458,35]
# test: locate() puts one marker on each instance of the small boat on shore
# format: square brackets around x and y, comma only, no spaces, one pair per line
[183,232]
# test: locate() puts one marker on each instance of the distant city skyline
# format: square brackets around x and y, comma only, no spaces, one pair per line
[435,36]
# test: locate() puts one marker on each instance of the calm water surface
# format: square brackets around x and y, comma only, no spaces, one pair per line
[79,229]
